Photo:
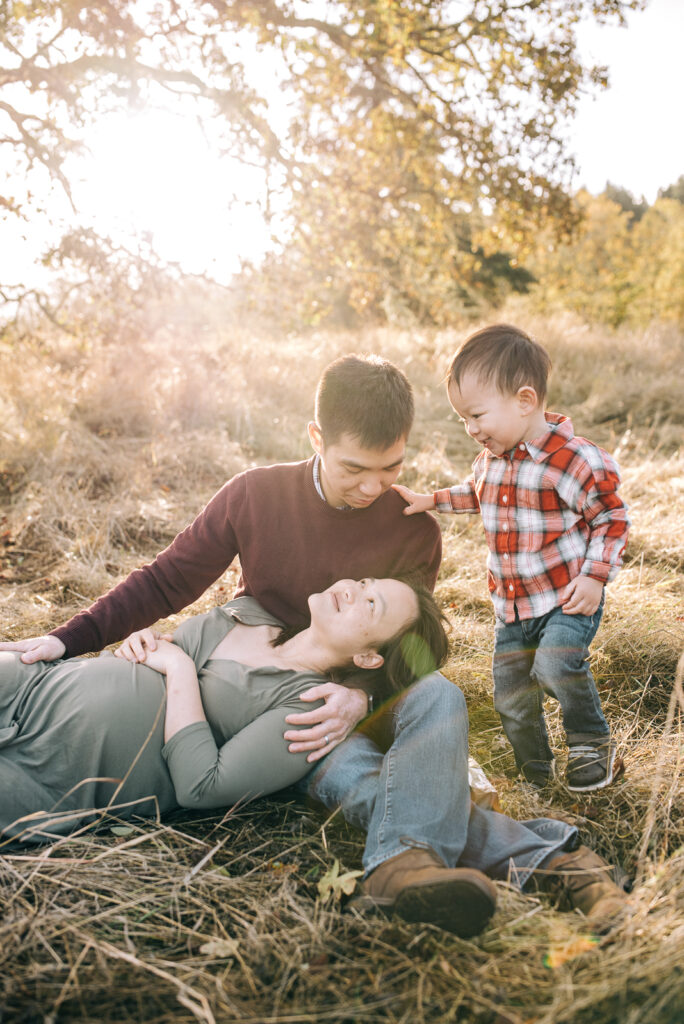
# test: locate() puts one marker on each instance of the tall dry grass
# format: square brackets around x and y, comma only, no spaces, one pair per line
[105,453]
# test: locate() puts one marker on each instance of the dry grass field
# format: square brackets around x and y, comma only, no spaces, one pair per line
[106,451]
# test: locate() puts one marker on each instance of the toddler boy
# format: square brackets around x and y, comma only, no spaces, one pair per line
[556,531]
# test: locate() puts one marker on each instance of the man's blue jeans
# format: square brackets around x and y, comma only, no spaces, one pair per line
[417,793]
[535,657]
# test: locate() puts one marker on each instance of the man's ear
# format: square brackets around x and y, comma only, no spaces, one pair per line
[528,400]
[370,660]
[315,437]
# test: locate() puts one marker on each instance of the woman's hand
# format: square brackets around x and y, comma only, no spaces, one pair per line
[136,646]
[330,724]
[167,656]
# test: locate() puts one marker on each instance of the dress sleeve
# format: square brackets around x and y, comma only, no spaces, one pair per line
[176,578]
[254,762]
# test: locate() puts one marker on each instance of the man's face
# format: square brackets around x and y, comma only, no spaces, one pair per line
[354,475]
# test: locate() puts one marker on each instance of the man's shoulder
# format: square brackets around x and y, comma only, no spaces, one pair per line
[392,504]
[277,474]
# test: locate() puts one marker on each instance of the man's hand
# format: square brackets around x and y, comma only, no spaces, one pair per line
[416,502]
[37,648]
[136,646]
[582,596]
[330,724]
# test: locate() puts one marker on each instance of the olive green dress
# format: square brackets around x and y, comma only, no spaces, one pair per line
[85,736]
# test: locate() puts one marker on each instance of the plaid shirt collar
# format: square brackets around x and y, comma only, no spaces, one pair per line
[559,433]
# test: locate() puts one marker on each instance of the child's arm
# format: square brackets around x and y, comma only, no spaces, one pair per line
[416,502]
[594,496]
[461,498]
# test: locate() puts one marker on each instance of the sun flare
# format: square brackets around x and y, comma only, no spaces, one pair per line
[157,173]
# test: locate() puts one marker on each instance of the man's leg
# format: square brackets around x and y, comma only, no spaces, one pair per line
[415,793]
[414,803]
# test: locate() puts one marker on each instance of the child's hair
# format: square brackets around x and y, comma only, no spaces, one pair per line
[366,397]
[504,355]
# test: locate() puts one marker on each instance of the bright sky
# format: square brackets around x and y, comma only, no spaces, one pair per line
[157,173]
[631,134]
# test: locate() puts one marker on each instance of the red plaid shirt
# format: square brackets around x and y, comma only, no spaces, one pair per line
[551,512]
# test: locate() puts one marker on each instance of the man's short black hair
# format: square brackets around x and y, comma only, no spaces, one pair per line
[366,397]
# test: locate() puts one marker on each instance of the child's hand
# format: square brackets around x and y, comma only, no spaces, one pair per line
[582,596]
[416,502]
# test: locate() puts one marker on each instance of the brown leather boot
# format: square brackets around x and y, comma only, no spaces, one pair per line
[418,886]
[582,881]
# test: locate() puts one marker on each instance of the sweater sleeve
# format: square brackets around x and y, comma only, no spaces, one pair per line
[176,578]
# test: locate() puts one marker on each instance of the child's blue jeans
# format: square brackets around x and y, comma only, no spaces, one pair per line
[535,657]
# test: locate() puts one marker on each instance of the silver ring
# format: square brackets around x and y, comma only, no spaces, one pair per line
[326,739]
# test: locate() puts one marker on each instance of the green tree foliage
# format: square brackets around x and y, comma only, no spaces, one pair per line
[616,268]
[674,191]
[626,201]
[424,133]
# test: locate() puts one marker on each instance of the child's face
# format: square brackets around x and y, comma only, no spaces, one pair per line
[496,421]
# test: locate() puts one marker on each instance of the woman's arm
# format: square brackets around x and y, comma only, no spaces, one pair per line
[183,700]
[253,762]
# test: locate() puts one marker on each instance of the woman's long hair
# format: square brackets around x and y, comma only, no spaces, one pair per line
[419,648]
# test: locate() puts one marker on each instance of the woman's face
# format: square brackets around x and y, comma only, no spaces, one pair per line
[355,616]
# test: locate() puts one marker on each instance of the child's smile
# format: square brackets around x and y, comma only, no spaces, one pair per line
[495,420]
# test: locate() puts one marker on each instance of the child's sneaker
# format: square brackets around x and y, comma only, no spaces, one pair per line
[590,764]
[539,774]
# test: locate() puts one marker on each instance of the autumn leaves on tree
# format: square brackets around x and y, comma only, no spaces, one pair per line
[424,156]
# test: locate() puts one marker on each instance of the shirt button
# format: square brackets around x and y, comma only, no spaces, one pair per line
[505,498]
[504,527]
[510,586]
[521,447]
[506,555]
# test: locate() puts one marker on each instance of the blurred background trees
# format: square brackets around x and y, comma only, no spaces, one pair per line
[413,154]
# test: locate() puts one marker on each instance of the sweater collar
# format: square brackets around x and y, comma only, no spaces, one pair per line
[319,487]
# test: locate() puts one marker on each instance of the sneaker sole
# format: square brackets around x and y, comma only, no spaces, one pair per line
[605,781]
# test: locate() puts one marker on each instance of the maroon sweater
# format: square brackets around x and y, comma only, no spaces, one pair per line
[290,543]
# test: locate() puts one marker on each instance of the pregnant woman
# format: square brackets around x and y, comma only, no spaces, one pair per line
[200,723]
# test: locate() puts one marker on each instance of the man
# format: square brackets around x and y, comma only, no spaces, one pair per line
[297,528]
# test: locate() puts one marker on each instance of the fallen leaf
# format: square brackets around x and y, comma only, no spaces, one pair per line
[334,884]
[220,947]
[561,953]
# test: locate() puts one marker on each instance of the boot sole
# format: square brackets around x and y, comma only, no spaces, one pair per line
[462,907]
